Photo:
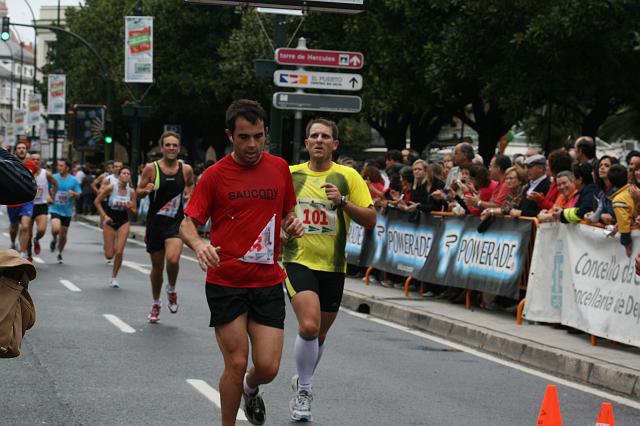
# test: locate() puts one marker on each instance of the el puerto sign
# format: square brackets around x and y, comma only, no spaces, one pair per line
[317,80]
[336,6]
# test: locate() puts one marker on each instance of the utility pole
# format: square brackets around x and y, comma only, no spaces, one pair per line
[297,121]
[136,112]
[275,115]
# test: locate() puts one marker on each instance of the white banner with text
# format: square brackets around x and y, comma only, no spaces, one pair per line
[583,279]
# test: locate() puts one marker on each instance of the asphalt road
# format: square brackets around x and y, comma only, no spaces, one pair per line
[79,368]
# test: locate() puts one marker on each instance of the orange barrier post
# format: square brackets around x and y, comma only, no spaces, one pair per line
[550,408]
[519,312]
[366,275]
[467,300]
[594,340]
[406,286]
[605,418]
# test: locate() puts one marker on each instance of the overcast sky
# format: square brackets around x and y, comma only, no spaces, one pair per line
[19,12]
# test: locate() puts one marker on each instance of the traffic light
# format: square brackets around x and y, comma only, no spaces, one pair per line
[108,139]
[5,29]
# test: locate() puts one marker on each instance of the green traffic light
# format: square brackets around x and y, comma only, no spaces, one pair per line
[4,36]
[108,139]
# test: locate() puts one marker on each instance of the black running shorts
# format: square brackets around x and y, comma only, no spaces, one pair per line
[40,209]
[64,220]
[264,305]
[328,285]
[155,235]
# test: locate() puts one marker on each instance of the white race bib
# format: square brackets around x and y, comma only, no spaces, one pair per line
[317,216]
[171,207]
[263,249]
[62,197]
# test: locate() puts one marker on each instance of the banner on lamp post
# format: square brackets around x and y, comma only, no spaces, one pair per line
[18,121]
[56,96]
[138,49]
[35,99]
[9,136]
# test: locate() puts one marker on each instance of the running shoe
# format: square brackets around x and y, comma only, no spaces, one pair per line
[52,245]
[295,380]
[154,315]
[109,261]
[300,406]
[36,246]
[253,407]
[172,297]
[60,261]
[115,283]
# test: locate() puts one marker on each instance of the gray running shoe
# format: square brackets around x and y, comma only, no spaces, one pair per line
[294,383]
[253,407]
[300,406]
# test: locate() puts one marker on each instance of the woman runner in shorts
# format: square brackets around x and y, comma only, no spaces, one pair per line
[115,220]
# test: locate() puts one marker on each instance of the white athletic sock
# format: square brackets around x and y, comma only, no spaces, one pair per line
[320,351]
[306,354]
[171,289]
[156,302]
[248,389]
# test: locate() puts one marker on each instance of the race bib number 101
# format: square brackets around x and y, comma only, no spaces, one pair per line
[317,216]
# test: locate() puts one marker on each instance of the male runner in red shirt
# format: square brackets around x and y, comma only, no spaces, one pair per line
[247,195]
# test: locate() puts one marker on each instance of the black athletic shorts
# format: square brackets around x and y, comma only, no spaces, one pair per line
[116,225]
[264,305]
[64,220]
[40,209]
[328,285]
[155,235]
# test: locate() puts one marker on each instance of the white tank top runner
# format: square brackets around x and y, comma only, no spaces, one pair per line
[42,188]
[117,201]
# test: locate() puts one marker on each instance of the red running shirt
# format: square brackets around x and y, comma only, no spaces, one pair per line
[246,205]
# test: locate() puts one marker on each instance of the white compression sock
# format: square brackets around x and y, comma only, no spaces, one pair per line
[306,354]
[247,389]
[320,351]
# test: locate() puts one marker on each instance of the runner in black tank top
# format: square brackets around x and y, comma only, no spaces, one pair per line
[166,182]
[165,208]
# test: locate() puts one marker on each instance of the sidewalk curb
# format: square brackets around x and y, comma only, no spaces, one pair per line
[532,354]
[552,360]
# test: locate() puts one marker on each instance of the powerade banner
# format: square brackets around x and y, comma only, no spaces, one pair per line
[492,261]
[583,279]
[399,246]
[357,244]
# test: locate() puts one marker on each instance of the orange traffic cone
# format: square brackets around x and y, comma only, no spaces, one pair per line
[605,418]
[550,409]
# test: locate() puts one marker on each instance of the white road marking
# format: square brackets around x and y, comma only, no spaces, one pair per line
[193,259]
[212,395]
[5,234]
[86,225]
[123,326]
[601,394]
[134,241]
[137,266]
[70,286]
[38,259]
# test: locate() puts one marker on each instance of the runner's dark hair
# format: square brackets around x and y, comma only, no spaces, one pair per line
[250,110]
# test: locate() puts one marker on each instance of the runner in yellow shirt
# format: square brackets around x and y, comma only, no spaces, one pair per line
[329,196]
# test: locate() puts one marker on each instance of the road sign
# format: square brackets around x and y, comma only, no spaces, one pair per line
[320,58]
[317,80]
[337,6]
[314,102]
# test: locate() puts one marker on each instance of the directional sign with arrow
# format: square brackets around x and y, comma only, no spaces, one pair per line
[320,58]
[317,80]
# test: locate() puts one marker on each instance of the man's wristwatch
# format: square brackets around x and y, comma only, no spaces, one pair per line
[343,201]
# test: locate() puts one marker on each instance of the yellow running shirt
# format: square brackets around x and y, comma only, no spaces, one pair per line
[326,228]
